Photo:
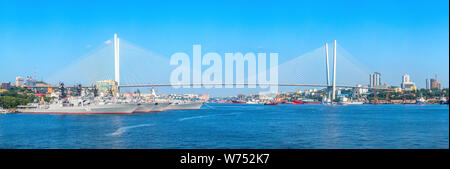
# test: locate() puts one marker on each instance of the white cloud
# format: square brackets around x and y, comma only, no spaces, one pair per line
[108,42]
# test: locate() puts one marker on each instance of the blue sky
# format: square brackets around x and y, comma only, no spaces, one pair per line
[391,37]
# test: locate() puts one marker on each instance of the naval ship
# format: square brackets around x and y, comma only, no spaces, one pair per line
[81,103]
[84,109]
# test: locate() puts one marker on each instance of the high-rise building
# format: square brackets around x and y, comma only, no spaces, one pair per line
[371,81]
[19,81]
[433,83]
[405,78]
[375,79]
[406,83]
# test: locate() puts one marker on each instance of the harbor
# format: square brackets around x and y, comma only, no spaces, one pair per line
[224,75]
[246,126]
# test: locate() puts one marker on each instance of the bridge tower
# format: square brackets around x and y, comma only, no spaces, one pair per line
[331,89]
[328,72]
[334,72]
[116,60]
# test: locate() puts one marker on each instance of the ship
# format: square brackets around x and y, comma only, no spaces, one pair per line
[184,106]
[443,100]
[305,101]
[252,102]
[3,111]
[84,109]
[223,102]
[80,105]
[283,102]
[271,104]
[346,101]
[421,101]
[239,102]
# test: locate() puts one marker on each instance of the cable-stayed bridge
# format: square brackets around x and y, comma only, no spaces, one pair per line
[330,79]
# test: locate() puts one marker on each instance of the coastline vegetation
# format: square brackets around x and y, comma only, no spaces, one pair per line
[18,96]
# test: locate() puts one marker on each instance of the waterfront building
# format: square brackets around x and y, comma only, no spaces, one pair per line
[108,87]
[407,84]
[361,90]
[19,82]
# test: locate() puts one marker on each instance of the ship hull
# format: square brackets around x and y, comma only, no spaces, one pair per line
[421,102]
[151,107]
[351,103]
[145,108]
[303,102]
[159,107]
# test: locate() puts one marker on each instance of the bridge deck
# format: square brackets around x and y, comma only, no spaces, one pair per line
[223,84]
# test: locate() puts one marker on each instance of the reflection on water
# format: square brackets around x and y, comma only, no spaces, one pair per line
[237,126]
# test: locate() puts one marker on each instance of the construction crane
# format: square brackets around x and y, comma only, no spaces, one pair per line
[375,99]
[387,96]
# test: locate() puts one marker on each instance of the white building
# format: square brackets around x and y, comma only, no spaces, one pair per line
[19,82]
[406,83]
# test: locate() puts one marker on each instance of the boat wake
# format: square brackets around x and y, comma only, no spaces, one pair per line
[198,117]
[125,129]
[208,106]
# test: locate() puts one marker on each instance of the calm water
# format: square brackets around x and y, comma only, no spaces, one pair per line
[237,126]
